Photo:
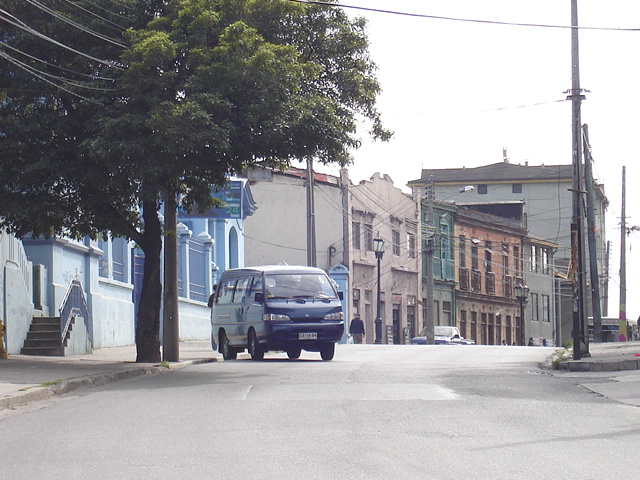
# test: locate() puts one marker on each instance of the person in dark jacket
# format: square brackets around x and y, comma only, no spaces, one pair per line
[357,329]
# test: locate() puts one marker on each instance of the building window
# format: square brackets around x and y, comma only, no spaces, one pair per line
[482,189]
[516,261]
[531,258]
[411,320]
[395,239]
[474,326]
[463,323]
[411,242]
[446,313]
[355,233]
[474,257]
[535,308]
[462,248]
[368,237]
[445,249]
[546,309]
[505,258]
[113,262]
[356,302]
[516,188]
[545,261]
[488,266]
[424,312]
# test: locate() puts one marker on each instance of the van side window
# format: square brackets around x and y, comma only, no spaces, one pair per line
[225,291]
[256,286]
[241,289]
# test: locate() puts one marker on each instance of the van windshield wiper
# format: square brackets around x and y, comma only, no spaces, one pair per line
[321,296]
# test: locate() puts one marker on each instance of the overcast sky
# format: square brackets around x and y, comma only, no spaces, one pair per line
[457,93]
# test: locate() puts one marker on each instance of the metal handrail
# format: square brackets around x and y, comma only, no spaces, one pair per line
[73,305]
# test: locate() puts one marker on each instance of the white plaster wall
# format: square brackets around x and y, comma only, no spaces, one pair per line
[277,231]
[18,309]
[113,314]
[195,323]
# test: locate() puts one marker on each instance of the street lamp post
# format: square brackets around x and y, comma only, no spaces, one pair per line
[378,248]
[522,294]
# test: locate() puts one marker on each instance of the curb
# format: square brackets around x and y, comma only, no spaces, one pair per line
[587,366]
[39,393]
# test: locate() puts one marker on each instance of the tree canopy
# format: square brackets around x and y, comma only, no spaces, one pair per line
[107,107]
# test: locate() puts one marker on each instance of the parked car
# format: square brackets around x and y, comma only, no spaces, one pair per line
[443,335]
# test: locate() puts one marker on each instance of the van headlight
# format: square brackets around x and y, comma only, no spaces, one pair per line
[334,316]
[275,317]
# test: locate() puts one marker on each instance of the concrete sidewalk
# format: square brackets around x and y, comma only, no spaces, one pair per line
[25,379]
[606,357]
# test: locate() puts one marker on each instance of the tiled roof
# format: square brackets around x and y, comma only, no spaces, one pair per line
[497,172]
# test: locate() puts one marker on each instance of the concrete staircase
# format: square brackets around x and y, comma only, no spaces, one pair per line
[43,338]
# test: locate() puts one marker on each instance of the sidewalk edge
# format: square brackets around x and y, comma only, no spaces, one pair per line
[39,393]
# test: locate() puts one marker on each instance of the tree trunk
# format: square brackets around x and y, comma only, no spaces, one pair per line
[148,315]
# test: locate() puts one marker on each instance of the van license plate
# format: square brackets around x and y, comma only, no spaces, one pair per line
[308,336]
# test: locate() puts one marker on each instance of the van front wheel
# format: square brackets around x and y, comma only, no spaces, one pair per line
[327,351]
[255,350]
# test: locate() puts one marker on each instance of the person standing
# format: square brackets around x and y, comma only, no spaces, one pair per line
[357,329]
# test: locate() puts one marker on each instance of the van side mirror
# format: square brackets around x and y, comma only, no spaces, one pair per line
[341,295]
[259,298]
[211,298]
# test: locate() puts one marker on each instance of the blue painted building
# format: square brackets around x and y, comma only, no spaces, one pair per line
[109,271]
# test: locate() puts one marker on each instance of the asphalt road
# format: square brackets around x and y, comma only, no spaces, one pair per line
[392,412]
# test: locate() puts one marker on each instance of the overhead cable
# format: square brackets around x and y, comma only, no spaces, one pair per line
[466,20]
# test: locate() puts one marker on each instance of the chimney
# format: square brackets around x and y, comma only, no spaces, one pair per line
[504,155]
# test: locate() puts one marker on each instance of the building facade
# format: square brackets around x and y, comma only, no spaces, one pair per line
[277,232]
[489,254]
[109,272]
[544,192]
[377,209]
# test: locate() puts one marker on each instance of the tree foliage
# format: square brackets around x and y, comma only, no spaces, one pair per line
[107,107]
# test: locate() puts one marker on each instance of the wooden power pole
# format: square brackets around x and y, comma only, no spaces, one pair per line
[580,338]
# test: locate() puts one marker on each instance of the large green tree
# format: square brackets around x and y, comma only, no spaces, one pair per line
[138,101]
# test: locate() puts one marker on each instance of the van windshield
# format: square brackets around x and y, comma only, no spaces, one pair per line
[306,285]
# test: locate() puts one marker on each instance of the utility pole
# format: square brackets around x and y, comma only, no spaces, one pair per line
[580,340]
[622,319]
[311,217]
[605,281]
[346,237]
[170,320]
[429,232]
[591,238]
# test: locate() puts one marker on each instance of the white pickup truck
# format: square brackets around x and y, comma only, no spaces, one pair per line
[443,335]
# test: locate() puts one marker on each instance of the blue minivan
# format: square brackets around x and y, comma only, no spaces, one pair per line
[277,307]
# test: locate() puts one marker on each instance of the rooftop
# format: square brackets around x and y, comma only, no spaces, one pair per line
[497,172]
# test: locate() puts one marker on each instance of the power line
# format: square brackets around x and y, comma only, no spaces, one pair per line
[464,20]
[44,62]
[77,25]
[10,19]
[33,72]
